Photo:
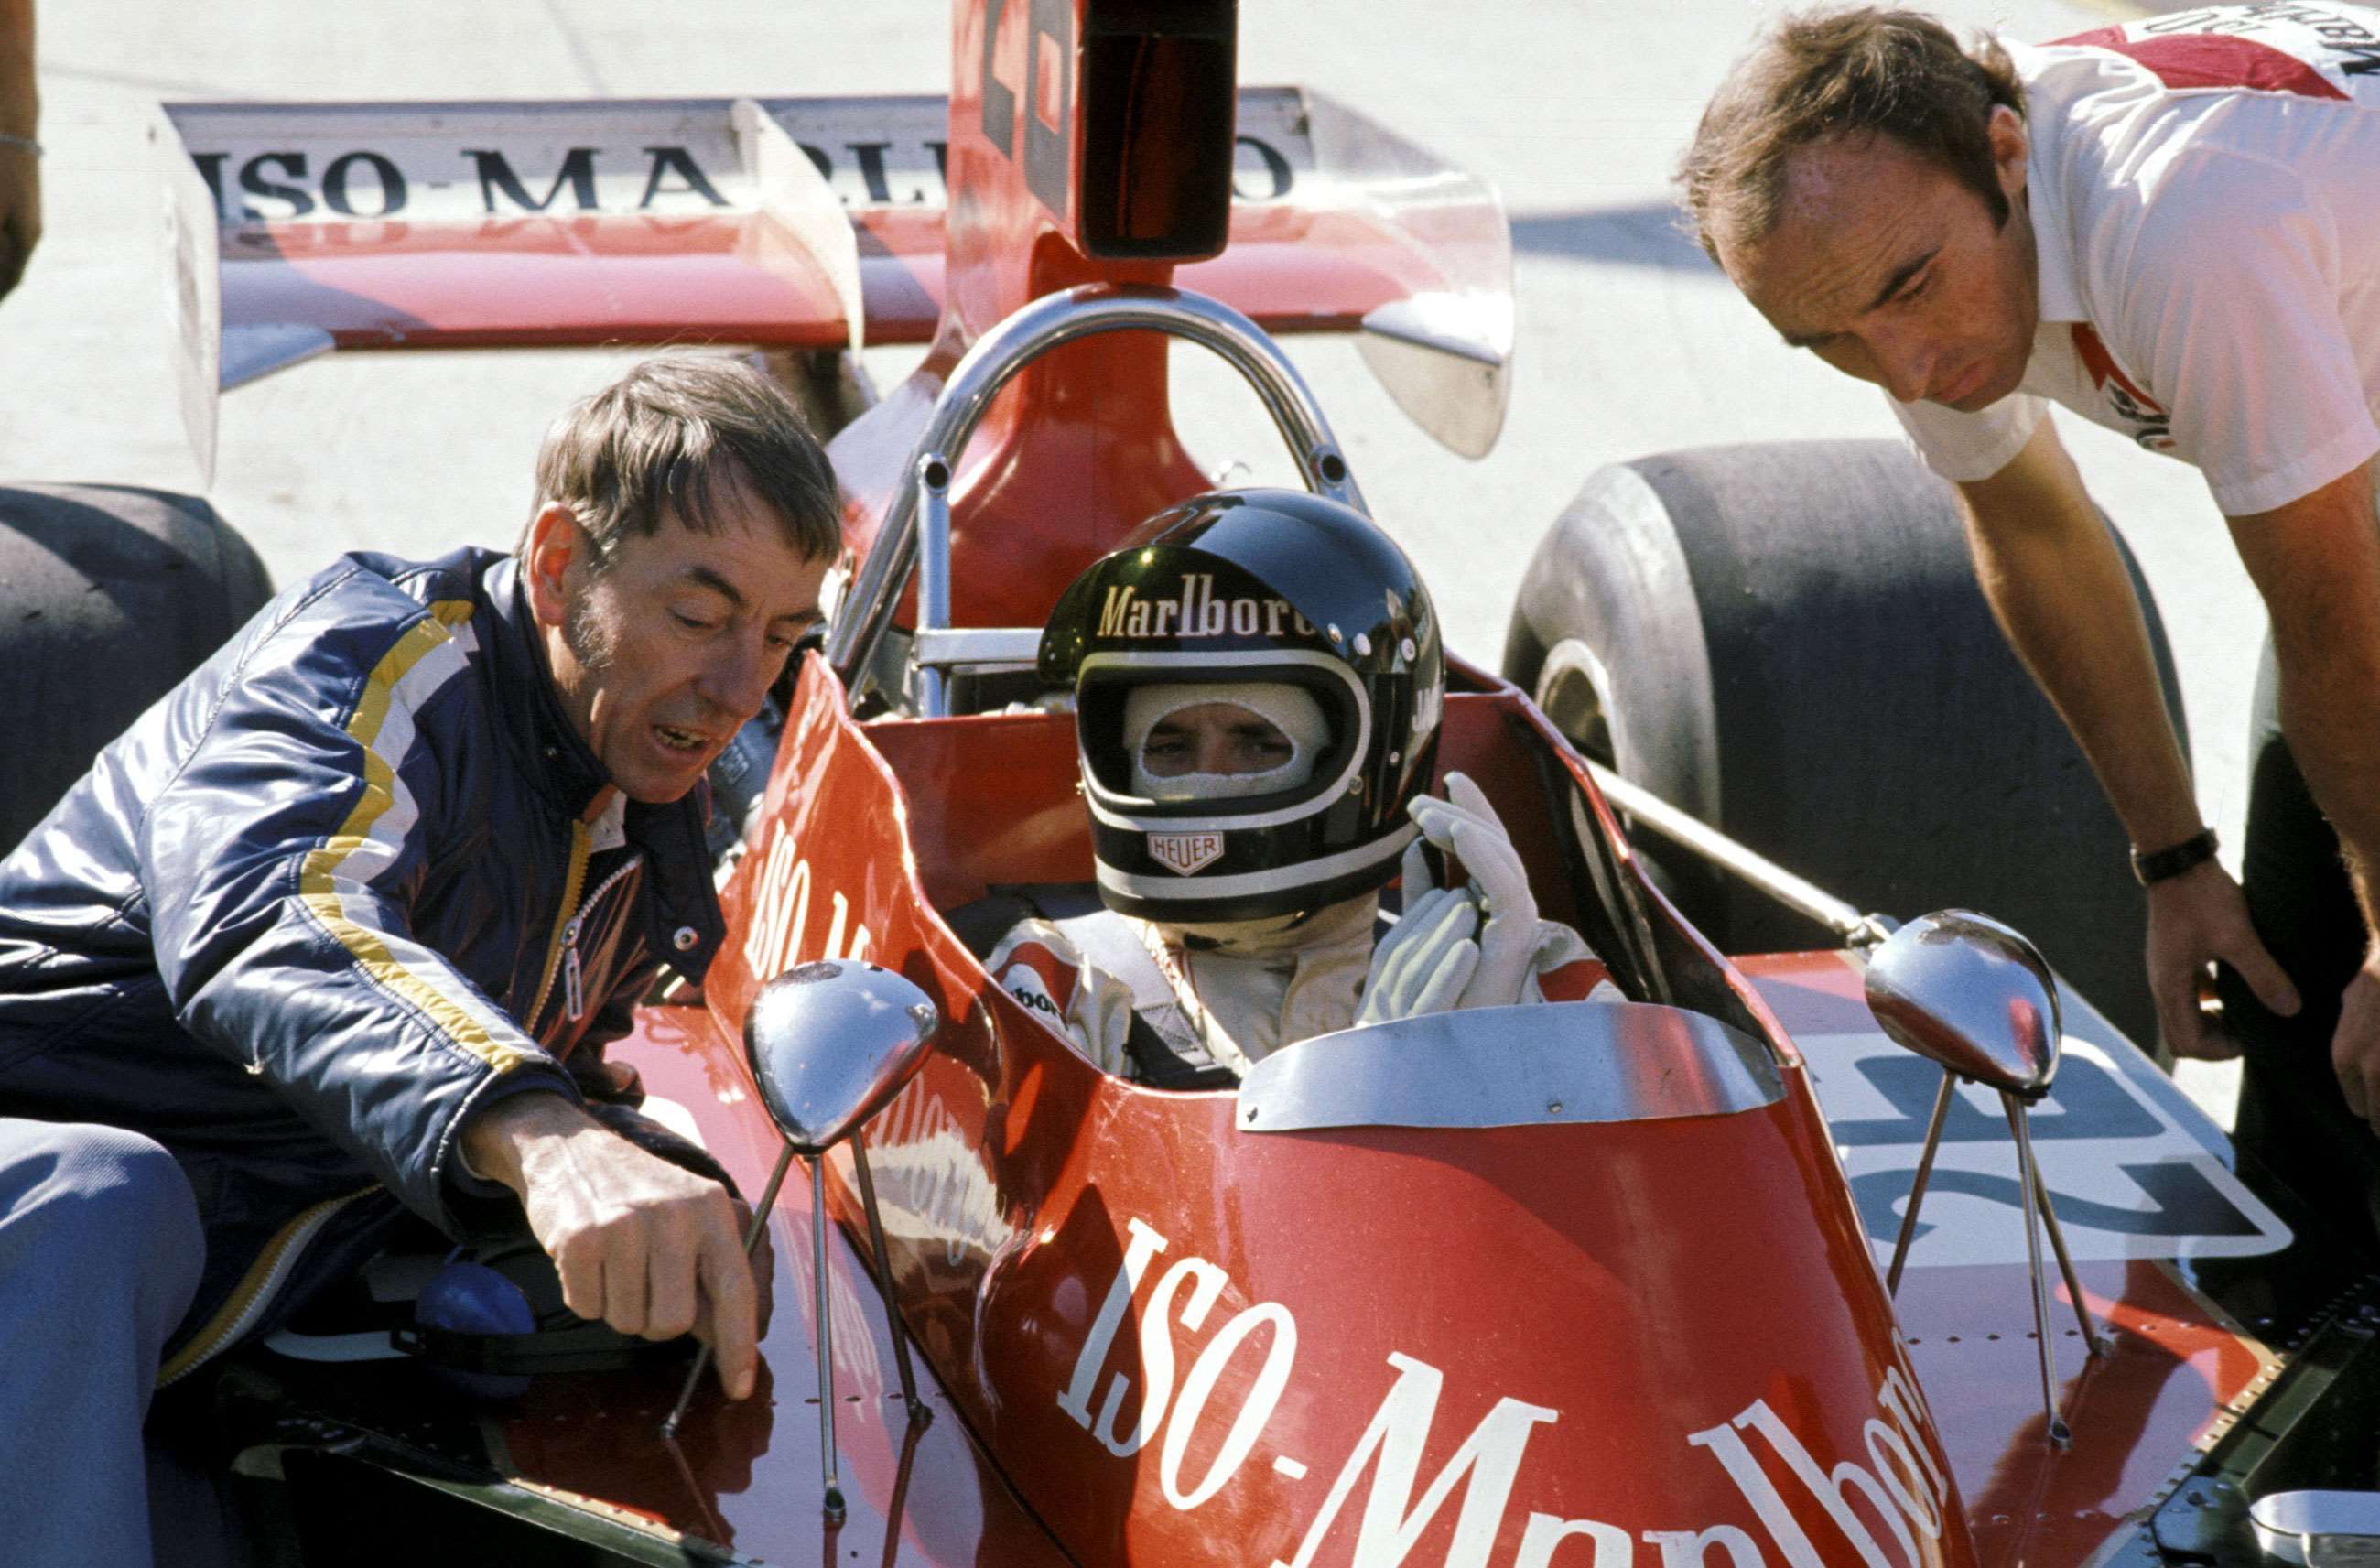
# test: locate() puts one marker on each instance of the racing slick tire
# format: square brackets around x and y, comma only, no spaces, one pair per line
[108,596]
[1787,641]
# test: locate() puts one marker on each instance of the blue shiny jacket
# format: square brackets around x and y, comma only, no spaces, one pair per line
[327,898]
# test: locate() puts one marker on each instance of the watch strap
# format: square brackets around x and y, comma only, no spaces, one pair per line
[2159,865]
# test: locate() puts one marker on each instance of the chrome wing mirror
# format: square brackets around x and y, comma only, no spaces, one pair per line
[1976,999]
[830,1043]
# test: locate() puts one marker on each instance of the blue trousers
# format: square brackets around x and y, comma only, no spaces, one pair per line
[100,1249]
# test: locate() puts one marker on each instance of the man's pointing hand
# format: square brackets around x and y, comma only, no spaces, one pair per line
[639,1244]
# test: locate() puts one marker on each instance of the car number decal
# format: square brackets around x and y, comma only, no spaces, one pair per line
[2126,1177]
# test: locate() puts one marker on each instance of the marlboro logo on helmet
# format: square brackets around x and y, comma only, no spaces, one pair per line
[1197,611]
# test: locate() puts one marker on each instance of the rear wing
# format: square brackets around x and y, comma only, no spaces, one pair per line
[297,229]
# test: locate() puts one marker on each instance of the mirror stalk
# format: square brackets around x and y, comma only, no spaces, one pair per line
[1978,1001]
[830,1043]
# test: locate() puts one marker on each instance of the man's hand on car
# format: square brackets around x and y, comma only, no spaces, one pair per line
[639,1244]
[2196,918]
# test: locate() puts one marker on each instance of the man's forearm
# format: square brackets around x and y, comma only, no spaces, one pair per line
[20,102]
[2059,588]
[2337,750]
[2317,563]
[499,1143]
[2056,580]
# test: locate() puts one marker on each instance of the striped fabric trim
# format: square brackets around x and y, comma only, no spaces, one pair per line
[424,659]
[256,1289]
[1194,889]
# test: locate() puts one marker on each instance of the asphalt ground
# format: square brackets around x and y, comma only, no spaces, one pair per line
[1629,341]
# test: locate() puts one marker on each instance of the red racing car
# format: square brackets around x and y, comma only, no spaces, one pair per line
[1588,1285]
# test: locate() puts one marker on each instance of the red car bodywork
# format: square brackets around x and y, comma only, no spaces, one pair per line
[1656,1333]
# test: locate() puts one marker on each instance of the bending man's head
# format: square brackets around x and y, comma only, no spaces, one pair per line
[1861,178]
[685,518]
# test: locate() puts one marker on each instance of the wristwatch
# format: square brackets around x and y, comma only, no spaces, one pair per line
[2158,864]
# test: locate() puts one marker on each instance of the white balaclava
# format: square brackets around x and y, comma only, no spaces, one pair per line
[1289,709]
[1253,986]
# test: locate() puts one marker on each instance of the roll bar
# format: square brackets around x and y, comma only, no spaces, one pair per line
[916,533]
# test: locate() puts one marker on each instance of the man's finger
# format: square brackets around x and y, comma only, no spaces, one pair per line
[1495,866]
[1415,921]
[578,1264]
[2355,1046]
[1439,818]
[1449,907]
[1410,934]
[2174,992]
[1418,880]
[727,1324]
[2349,1065]
[626,1269]
[1450,922]
[1472,799]
[671,1306]
[2262,972]
[1446,979]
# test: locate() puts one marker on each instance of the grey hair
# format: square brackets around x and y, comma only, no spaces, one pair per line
[664,437]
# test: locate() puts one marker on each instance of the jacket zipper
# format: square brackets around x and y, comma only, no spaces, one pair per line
[573,996]
[581,846]
[255,1292]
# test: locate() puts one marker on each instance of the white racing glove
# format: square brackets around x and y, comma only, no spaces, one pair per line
[1422,965]
[1466,827]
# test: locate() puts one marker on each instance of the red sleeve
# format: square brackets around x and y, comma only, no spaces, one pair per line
[1042,980]
[1573,980]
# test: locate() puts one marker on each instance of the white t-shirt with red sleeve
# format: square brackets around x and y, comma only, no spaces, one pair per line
[2206,202]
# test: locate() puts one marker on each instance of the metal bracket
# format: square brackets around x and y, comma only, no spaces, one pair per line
[2038,1216]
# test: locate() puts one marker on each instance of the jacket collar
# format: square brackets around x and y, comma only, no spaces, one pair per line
[683,926]
[557,761]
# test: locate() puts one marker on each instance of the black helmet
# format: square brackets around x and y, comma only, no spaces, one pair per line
[1270,586]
